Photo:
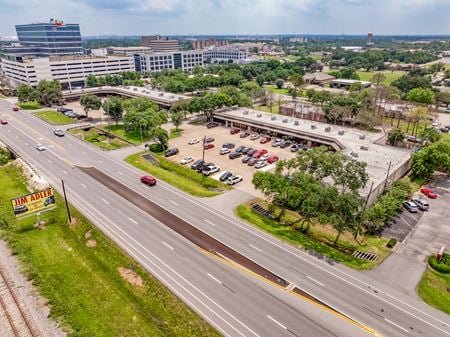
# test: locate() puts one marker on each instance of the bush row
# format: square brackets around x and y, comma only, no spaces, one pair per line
[443,266]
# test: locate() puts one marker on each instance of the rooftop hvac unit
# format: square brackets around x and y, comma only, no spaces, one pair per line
[258,115]
[246,112]
[328,129]
[285,120]
[296,123]
[341,132]
[362,137]
[179,97]
[313,127]
[161,94]
[273,118]
[354,154]
[364,148]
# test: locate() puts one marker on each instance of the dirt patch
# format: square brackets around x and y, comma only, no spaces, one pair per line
[91,243]
[131,277]
[88,234]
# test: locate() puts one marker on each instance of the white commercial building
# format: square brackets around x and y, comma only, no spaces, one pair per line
[155,62]
[69,70]
[224,54]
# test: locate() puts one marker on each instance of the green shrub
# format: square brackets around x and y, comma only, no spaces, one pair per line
[30,105]
[156,147]
[5,156]
[443,266]
[391,243]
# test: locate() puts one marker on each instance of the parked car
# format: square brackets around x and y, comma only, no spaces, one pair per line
[148,180]
[252,161]
[197,163]
[193,141]
[171,152]
[203,166]
[240,148]
[186,160]
[428,192]
[258,154]
[254,136]
[295,147]
[246,150]
[234,180]
[265,156]
[224,150]
[58,132]
[260,164]
[3,122]
[410,206]
[229,145]
[244,134]
[234,155]
[208,146]
[15,108]
[224,176]
[272,159]
[422,204]
[285,144]
[251,152]
[444,130]
[277,142]
[212,125]
[246,158]
[210,170]
[40,147]
[265,140]
[233,131]
[208,140]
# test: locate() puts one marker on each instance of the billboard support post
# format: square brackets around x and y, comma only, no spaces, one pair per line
[65,200]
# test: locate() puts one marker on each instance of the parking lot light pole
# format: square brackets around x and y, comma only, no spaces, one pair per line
[203,154]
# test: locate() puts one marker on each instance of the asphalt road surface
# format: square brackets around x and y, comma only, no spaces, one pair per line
[236,302]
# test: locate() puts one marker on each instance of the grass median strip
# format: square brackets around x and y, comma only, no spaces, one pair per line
[100,140]
[29,105]
[184,178]
[55,118]
[93,287]
[319,239]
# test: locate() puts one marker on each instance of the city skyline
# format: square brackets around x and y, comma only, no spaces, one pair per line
[221,17]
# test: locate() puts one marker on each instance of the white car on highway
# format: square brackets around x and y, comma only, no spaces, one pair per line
[40,147]
[234,180]
[224,150]
[193,141]
[186,160]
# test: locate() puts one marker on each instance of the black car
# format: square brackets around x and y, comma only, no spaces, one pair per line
[234,155]
[208,140]
[444,130]
[246,150]
[251,152]
[203,166]
[212,125]
[171,152]
[196,164]
[229,145]
[285,144]
[225,176]
[240,148]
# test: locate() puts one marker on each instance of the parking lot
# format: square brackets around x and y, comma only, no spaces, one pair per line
[221,136]
[403,224]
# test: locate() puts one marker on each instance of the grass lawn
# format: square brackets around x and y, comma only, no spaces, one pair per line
[87,294]
[275,90]
[265,108]
[404,125]
[30,105]
[319,238]
[55,118]
[390,76]
[184,178]
[92,136]
[434,288]
[174,133]
[133,136]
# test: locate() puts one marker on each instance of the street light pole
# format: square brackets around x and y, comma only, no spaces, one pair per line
[109,119]
[203,154]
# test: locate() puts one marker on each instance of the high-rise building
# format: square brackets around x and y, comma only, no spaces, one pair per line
[202,44]
[52,38]
[185,60]
[369,38]
[160,44]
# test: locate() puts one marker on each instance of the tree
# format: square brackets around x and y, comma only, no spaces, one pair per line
[26,93]
[91,81]
[161,136]
[90,102]
[418,115]
[421,95]
[260,80]
[279,83]
[297,81]
[431,158]
[113,106]
[395,136]
[176,117]
[49,92]
[378,78]
[443,98]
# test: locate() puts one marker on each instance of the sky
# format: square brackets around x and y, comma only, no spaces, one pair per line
[222,17]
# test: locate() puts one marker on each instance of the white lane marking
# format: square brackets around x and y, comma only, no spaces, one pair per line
[173,202]
[314,280]
[275,321]
[207,221]
[40,138]
[395,324]
[120,173]
[64,171]
[290,287]
[106,201]
[255,248]
[167,245]
[133,221]
[215,279]
[50,162]
[84,186]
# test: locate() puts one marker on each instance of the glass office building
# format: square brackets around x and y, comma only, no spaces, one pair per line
[53,38]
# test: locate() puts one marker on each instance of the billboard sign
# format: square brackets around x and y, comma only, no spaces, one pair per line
[33,203]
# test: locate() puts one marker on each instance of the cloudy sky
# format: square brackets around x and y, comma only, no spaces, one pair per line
[136,17]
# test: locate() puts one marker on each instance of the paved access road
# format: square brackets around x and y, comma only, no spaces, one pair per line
[236,303]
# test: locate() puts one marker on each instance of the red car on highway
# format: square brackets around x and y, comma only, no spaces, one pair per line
[148,180]
[428,192]
[265,140]
[15,108]
[272,159]
[3,122]
[208,146]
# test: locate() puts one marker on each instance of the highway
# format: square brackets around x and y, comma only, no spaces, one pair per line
[233,300]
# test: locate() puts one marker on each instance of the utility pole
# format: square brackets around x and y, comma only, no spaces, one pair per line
[358,228]
[204,143]
[109,119]
[65,200]
[387,176]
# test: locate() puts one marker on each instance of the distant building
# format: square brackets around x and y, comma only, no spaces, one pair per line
[160,43]
[355,49]
[203,44]
[369,38]
[155,62]
[303,111]
[225,54]
[298,39]
[346,84]
[318,78]
[128,51]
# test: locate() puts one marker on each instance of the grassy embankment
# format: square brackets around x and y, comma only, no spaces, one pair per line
[319,238]
[184,178]
[54,117]
[86,291]
[100,140]
[29,105]
[389,75]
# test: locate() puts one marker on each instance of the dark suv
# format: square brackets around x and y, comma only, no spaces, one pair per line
[196,164]
[171,152]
